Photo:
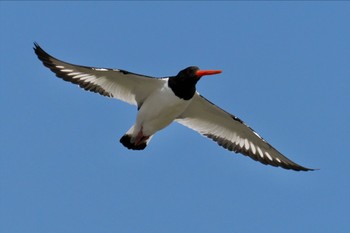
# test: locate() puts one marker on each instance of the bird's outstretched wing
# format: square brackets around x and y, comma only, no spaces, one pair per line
[120,84]
[232,133]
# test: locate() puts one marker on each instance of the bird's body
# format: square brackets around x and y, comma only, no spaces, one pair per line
[153,117]
[161,101]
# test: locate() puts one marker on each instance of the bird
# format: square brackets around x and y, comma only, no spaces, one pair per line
[163,100]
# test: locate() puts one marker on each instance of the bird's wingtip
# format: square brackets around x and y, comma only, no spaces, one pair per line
[36,45]
[305,169]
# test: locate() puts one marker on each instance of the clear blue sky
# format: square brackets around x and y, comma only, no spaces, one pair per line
[286,73]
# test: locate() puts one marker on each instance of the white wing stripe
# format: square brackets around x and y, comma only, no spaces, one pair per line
[268,156]
[260,152]
[241,142]
[80,76]
[246,144]
[89,78]
[67,70]
[252,147]
[74,73]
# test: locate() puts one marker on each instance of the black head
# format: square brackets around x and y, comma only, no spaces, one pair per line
[184,83]
[188,74]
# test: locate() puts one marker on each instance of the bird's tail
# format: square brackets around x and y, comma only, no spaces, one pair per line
[138,142]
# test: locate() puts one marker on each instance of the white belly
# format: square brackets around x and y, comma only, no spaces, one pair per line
[159,110]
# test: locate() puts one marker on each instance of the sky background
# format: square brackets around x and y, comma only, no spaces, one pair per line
[286,73]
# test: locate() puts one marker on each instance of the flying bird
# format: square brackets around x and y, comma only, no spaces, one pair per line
[160,101]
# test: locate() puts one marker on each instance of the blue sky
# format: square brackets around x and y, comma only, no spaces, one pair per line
[285,73]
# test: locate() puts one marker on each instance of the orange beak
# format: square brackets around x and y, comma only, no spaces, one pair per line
[201,73]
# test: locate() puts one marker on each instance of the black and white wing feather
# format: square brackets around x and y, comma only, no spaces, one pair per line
[232,133]
[120,84]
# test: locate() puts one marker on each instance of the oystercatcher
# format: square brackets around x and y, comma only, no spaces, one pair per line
[160,101]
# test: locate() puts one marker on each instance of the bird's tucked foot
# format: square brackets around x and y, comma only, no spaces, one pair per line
[137,143]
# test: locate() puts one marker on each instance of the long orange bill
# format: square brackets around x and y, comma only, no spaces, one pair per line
[201,73]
